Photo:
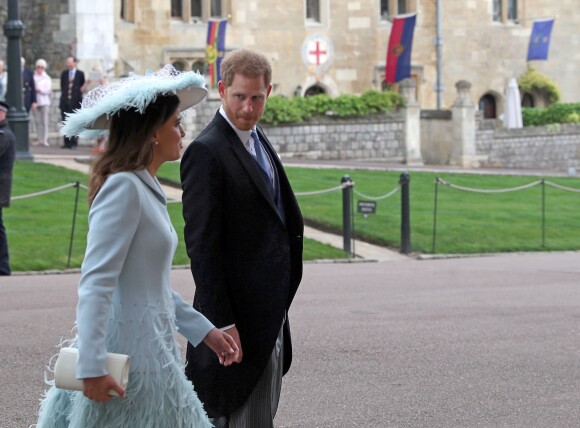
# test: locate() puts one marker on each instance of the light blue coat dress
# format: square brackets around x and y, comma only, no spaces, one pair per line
[126,305]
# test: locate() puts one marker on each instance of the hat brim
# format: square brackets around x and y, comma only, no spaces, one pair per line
[188,97]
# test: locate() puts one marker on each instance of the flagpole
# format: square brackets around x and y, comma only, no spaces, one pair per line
[439,45]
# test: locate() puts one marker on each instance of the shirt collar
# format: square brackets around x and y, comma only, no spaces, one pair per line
[244,136]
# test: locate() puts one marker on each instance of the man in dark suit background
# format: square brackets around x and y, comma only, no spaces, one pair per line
[7,154]
[71,96]
[243,232]
[28,86]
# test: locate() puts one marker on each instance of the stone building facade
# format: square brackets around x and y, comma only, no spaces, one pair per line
[332,46]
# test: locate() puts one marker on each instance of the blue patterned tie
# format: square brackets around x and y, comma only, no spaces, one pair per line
[261,156]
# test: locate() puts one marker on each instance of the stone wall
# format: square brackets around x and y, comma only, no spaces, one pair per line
[554,147]
[376,137]
[436,136]
[383,137]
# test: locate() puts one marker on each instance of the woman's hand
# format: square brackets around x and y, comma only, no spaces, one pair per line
[97,388]
[223,345]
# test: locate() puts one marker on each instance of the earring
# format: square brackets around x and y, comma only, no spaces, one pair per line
[156,142]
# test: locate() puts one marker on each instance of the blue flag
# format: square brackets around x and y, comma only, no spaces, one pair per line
[540,39]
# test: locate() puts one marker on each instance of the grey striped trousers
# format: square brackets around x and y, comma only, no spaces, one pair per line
[260,408]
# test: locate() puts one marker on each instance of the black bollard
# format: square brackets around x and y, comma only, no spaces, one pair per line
[405,214]
[346,214]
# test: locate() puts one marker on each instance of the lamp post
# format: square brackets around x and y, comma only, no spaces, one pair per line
[17,115]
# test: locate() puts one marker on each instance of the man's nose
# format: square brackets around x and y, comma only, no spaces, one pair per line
[248,105]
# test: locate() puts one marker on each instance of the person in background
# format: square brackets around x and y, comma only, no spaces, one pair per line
[3,81]
[7,155]
[243,233]
[28,86]
[71,97]
[43,85]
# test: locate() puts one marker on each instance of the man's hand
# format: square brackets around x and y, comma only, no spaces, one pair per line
[224,346]
[233,331]
[97,388]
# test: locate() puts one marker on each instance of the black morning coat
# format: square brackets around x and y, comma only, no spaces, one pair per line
[76,94]
[7,155]
[245,260]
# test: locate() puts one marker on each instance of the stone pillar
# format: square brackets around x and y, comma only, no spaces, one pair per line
[412,126]
[463,123]
[95,35]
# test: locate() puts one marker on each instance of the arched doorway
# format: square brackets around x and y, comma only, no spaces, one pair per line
[527,100]
[314,90]
[487,105]
[179,65]
[199,66]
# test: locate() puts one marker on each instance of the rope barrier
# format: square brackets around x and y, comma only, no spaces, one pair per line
[320,192]
[559,186]
[45,192]
[377,198]
[470,189]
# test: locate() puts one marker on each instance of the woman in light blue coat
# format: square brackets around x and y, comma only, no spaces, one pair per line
[126,304]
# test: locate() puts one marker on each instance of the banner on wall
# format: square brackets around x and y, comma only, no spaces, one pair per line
[398,65]
[215,48]
[540,39]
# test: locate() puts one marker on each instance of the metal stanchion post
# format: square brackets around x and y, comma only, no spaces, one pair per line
[346,214]
[72,232]
[405,214]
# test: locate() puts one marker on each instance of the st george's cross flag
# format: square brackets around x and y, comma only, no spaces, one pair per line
[215,48]
[398,66]
[540,39]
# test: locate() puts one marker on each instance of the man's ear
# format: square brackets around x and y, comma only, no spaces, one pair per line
[269,89]
[222,89]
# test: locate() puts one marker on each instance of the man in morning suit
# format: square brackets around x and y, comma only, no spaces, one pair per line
[243,232]
[71,82]
[28,86]
[7,155]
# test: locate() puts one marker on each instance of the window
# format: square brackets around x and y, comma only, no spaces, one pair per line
[401,7]
[199,10]
[176,9]
[527,100]
[497,13]
[512,10]
[313,10]
[392,8]
[128,10]
[216,9]
[196,8]
[505,10]
[179,65]
[314,90]
[384,10]
[199,66]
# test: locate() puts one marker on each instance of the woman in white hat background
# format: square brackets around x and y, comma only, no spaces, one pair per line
[43,86]
[126,304]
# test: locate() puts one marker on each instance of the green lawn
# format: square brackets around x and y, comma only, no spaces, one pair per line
[39,228]
[466,222]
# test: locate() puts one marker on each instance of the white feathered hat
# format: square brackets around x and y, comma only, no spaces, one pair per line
[133,92]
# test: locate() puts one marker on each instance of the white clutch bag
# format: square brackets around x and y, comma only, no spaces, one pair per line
[65,368]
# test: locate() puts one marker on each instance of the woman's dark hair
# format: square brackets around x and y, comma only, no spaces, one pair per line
[130,145]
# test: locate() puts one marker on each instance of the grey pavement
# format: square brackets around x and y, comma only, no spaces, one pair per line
[467,342]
